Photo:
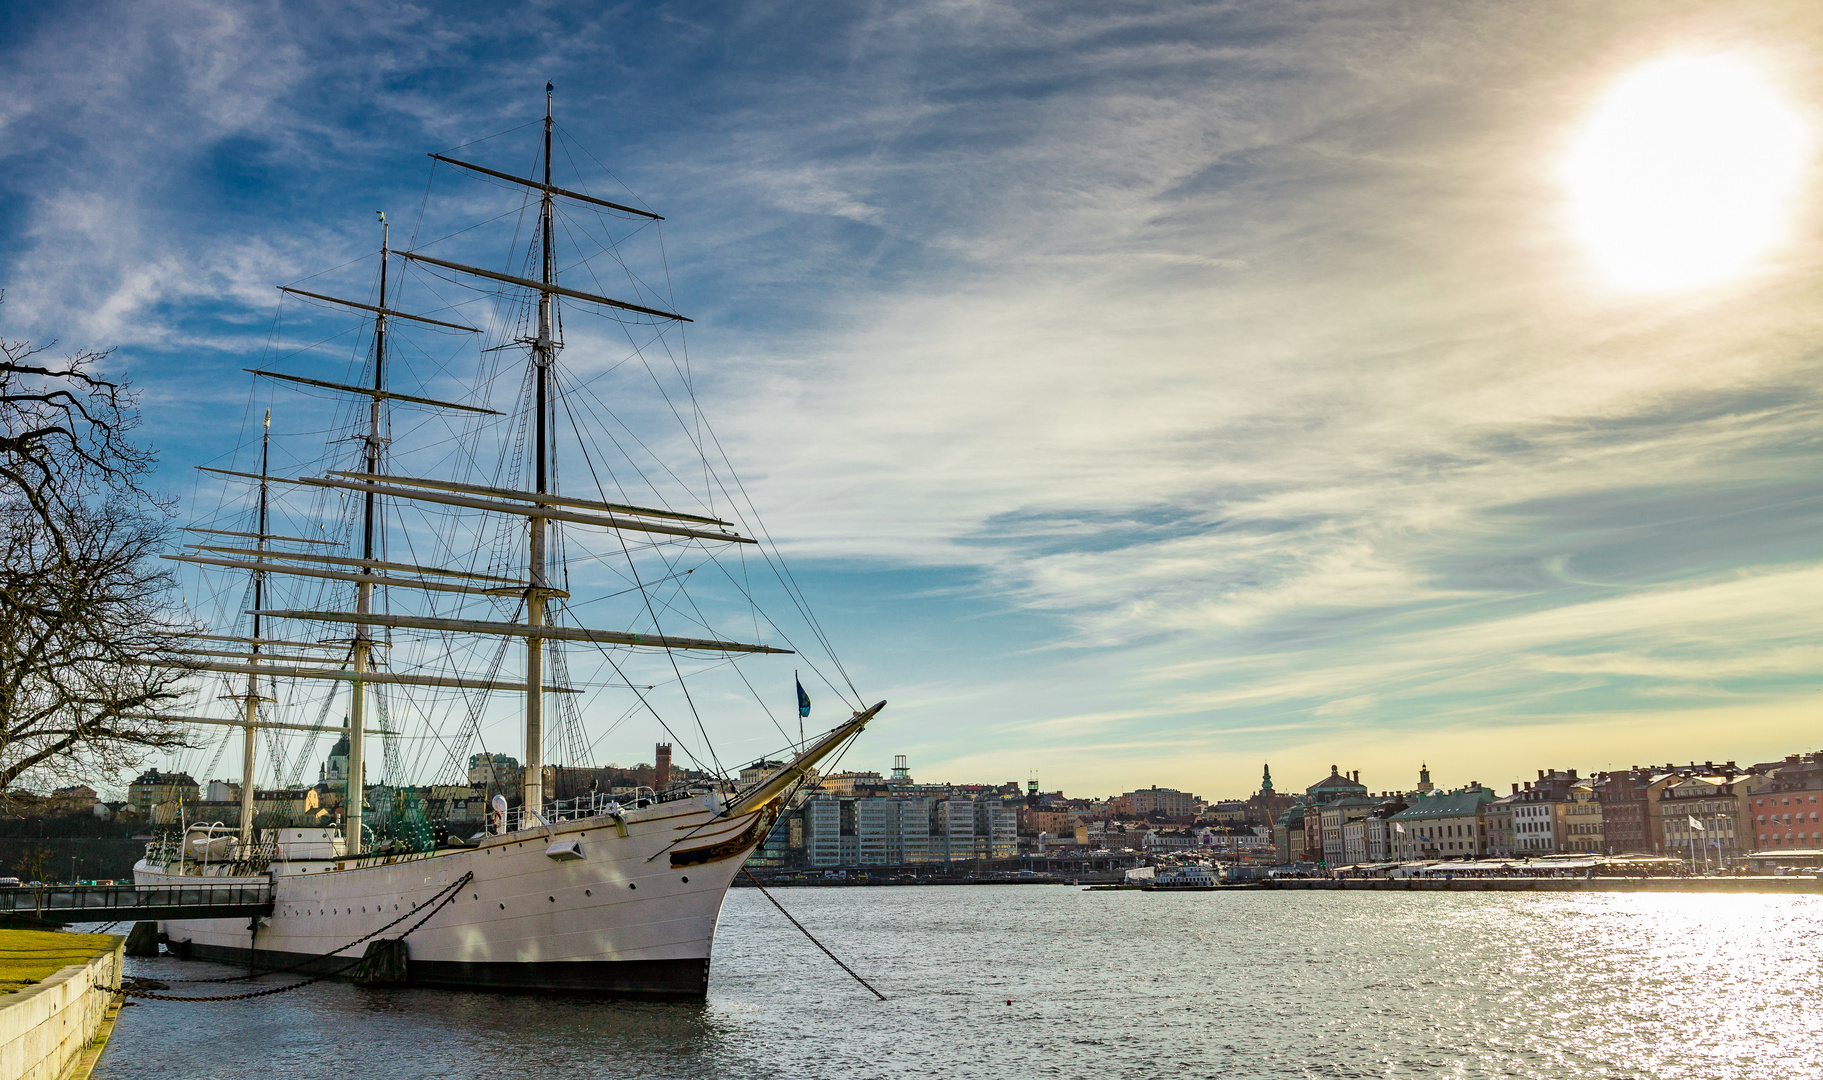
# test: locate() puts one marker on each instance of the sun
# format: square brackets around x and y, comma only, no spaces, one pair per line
[1685,173]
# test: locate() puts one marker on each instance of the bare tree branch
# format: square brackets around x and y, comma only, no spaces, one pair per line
[81,614]
[65,433]
[83,602]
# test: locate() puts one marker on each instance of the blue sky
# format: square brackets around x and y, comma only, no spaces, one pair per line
[1142,392]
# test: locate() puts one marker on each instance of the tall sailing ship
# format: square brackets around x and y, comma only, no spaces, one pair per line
[409,610]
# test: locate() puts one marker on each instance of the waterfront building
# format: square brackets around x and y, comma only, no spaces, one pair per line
[1321,846]
[1173,840]
[75,799]
[1313,833]
[900,832]
[1375,837]
[1165,802]
[1336,818]
[1227,812]
[1540,814]
[1236,839]
[1354,843]
[759,770]
[1337,785]
[1037,819]
[1443,825]
[1499,820]
[1266,804]
[1368,839]
[153,789]
[1622,796]
[828,823]
[1583,831]
[495,771]
[1288,834]
[1699,814]
[1784,812]
[847,785]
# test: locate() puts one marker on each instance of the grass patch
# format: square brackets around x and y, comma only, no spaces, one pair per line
[28,957]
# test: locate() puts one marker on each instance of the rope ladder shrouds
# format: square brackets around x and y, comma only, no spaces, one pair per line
[812,937]
[442,898]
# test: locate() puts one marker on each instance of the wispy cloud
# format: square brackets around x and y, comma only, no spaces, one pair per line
[1241,351]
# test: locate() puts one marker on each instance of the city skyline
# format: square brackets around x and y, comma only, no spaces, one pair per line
[1143,393]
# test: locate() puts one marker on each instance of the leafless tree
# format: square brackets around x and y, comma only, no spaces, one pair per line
[83,603]
[65,432]
[85,632]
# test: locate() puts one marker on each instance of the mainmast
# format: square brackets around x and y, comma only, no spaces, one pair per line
[533,777]
[249,740]
[363,605]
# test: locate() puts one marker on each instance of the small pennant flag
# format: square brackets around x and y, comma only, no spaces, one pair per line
[1695,824]
[803,700]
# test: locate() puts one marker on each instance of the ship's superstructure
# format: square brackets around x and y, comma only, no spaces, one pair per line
[603,893]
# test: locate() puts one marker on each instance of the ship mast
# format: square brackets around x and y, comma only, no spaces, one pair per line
[249,742]
[363,605]
[533,778]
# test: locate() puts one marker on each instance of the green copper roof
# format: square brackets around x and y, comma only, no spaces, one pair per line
[1445,804]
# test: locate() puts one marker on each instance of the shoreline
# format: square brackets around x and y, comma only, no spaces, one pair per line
[1778,886]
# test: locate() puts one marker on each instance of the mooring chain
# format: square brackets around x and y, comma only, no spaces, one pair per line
[811,936]
[241,978]
[442,898]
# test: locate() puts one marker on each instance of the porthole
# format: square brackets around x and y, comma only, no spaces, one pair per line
[686,879]
[588,892]
[630,885]
[502,907]
[474,896]
[552,899]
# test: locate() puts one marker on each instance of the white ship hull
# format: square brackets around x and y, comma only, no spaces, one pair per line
[634,916]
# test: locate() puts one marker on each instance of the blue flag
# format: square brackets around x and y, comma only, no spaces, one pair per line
[803,700]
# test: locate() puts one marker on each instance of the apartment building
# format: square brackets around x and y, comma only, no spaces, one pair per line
[900,832]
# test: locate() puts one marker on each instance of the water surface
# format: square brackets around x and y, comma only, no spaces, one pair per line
[1104,985]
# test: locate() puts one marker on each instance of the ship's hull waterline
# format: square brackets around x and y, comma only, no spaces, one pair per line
[633,916]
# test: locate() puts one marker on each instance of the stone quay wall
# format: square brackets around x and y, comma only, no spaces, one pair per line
[45,1028]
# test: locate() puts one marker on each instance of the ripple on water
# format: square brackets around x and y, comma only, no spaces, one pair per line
[1104,985]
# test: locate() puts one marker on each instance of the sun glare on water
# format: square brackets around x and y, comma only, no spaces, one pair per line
[1685,173]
